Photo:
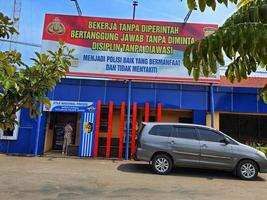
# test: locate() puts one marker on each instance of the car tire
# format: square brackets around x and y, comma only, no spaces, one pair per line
[162,164]
[247,170]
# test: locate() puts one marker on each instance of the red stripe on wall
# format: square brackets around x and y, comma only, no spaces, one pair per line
[146,112]
[121,129]
[159,112]
[97,127]
[133,129]
[110,116]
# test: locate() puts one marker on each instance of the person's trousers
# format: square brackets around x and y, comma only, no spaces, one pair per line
[65,146]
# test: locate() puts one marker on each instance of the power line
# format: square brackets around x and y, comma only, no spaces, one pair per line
[22,43]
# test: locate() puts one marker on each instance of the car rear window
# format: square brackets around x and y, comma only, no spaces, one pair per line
[139,135]
[161,130]
[139,132]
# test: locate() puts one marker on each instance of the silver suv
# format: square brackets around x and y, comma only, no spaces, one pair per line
[188,145]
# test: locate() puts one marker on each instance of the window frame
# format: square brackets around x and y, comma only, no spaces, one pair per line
[15,131]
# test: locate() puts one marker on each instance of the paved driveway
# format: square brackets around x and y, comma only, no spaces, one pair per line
[60,178]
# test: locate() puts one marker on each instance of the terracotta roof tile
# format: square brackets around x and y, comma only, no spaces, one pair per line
[253,82]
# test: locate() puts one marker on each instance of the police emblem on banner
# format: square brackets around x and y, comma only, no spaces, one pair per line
[55,27]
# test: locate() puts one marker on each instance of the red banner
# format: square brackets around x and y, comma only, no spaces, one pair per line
[123,48]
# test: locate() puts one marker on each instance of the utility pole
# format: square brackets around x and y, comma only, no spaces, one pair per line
[13,41]
[187,16]
[78,7]
[135,3]
[16,20]
[129,103]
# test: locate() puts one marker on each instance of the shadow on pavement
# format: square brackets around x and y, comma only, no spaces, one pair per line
[142,168]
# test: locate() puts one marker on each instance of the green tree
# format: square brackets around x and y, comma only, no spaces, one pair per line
[243,2]
[27,87]
[242,38]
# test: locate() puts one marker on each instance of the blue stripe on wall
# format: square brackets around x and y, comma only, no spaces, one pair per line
[171,96]
[87,139]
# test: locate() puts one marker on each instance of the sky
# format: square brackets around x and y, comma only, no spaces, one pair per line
[33,13]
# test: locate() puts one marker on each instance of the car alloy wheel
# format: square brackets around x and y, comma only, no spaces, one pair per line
[247,170]
[162,164]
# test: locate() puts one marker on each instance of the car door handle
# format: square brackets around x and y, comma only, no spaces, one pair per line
[204,146]
[172,142]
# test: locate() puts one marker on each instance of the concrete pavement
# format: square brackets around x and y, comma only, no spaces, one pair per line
[47,178]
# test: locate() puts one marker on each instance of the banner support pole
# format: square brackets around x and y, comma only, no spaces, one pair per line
[128,119]
[212,105]
[37,132]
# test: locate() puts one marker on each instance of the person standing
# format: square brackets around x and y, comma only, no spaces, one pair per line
[67,138]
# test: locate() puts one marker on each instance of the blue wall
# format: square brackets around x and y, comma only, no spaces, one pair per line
[25,142]
[189,97]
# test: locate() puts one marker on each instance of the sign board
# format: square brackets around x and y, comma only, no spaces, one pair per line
[69,106]
[125,49]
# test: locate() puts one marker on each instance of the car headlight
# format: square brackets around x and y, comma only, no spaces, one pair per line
[262,154]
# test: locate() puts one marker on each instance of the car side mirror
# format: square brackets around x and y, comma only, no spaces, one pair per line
[226,140]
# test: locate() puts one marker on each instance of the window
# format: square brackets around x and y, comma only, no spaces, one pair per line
[188,120]
[185,132]
[150,118]
[10,134]
[209,135]
[104,120]
[161,130]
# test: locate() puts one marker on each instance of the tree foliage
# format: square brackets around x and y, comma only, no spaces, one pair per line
[202,4]
[27,87]
[6,26]
[242,38]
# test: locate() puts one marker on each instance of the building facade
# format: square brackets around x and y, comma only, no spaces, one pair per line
[237,112]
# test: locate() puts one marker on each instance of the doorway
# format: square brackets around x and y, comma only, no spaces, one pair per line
[55,131]
[60,121]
